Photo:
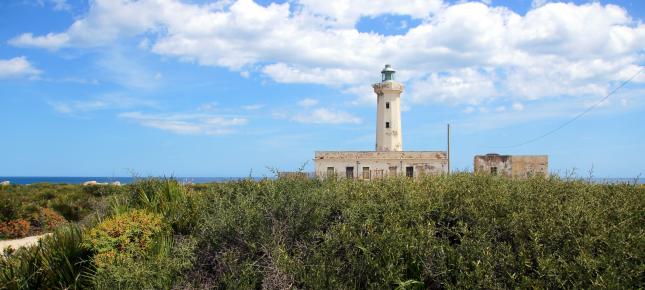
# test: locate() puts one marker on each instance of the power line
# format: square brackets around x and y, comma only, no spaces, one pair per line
[576,117]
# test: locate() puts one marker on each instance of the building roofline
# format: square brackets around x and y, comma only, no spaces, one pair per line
[407,151]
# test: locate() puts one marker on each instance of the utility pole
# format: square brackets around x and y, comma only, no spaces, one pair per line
[448,148]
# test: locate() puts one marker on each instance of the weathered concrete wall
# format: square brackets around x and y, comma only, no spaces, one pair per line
[493,164]
[525,166]
[511,165]
[374,164]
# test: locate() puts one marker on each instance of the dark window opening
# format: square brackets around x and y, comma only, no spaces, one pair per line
[387,125]
[349,172]
[409,171]
[387,105]
[493,170]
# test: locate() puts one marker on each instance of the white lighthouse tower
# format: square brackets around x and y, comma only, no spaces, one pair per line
[388,114]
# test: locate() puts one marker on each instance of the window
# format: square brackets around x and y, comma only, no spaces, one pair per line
[387,105]
[330,171]
[387,125]
[493,170]
[409,171]
[349,172]
[392,171]
[366,173]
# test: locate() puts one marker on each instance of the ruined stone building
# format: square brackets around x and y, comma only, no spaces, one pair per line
[512,165]
[388,159]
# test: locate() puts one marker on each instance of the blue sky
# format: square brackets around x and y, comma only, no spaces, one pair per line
[229,88]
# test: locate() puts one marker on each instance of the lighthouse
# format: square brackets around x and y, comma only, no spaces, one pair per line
[388,159]
[388,113]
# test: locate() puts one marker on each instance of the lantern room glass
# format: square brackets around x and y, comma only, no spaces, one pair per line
[387,74]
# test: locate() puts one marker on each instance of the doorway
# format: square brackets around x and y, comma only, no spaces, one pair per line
[409,171]
[349,172]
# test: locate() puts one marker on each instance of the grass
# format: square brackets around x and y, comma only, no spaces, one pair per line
[457,231]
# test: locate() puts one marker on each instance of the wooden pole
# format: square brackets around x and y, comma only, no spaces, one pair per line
[448,148]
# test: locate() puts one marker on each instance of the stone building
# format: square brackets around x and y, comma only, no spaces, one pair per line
[388,159]
[512,165]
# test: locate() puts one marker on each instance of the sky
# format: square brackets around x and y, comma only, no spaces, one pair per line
[238,88]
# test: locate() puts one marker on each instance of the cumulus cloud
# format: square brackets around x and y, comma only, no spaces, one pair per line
[48,41]
[346,13]
[190,124]
[461,86]
[463,53]
[17,67]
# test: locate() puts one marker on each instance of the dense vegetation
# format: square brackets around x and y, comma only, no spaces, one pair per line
[27,210]
[457,231]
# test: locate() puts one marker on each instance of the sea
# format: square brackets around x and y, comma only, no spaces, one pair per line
[103,179]
[126,180]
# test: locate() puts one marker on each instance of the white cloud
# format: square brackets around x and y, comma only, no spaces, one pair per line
[61,5]
[308,102]
[326,116]
[463,53]
[284,73]
[17,67]
[347,13]
[538,3]
[462,86]
[190,124]
[48,41]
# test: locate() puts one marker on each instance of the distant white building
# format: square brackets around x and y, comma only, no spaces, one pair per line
[389,159]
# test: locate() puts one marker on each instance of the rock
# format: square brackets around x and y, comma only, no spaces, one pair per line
[91,182]
[6,182]
[116,183]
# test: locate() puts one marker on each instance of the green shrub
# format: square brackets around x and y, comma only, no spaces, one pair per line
[134,250]
[160,268]
[103,189]
[167,197]
[124,237]
[59,261]
[457,231]
[438,232]
[27,201]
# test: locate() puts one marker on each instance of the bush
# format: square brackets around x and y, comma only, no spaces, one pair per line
[160,268]
[457,231]
[102,189]
[59,261]
[26,202]
[123,237]
[449,231]
[14,229]
[48,219]
[167,197]
[134,250]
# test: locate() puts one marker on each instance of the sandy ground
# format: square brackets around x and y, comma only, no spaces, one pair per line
[17,243]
